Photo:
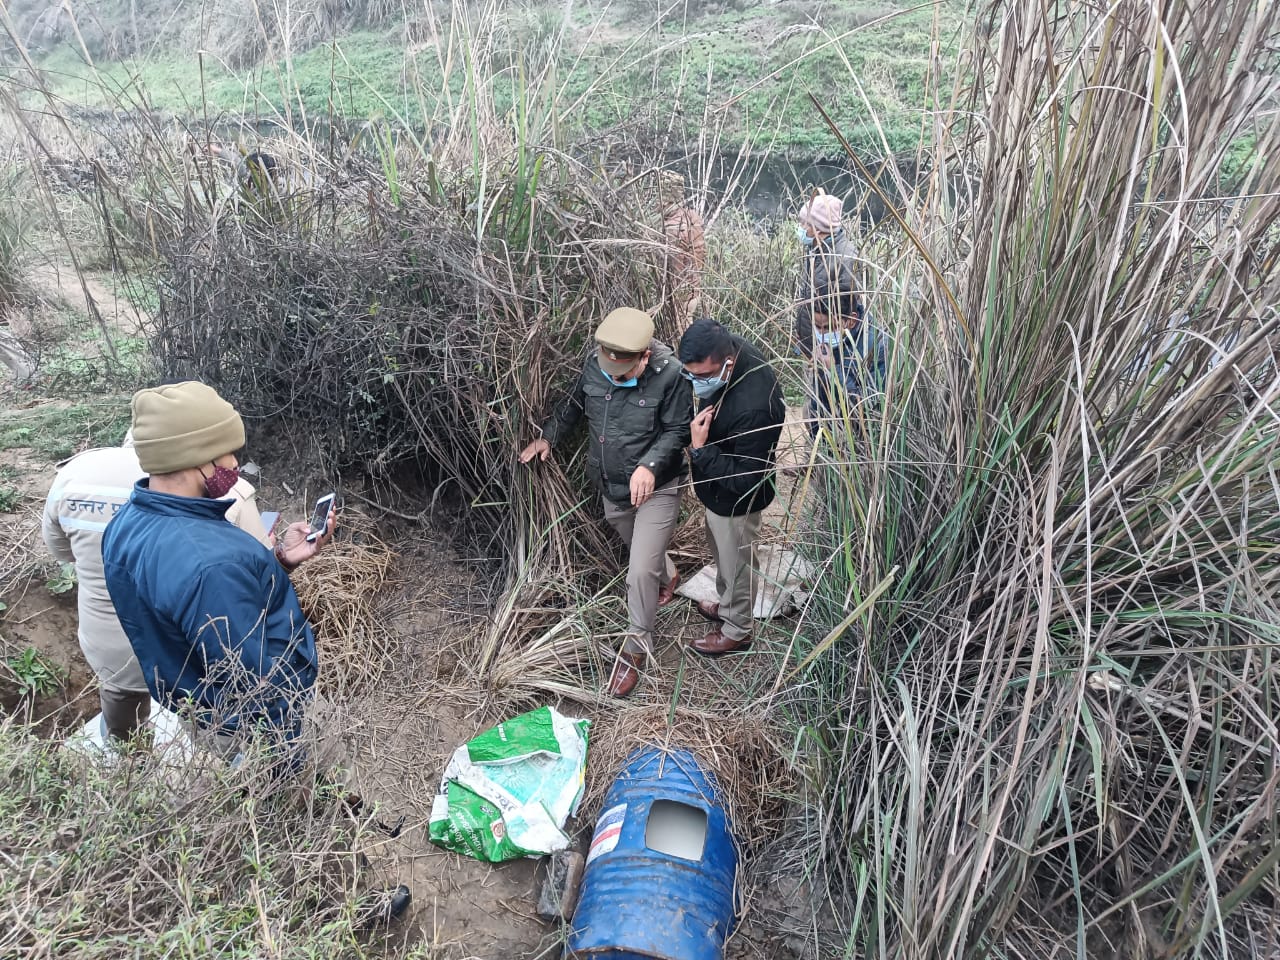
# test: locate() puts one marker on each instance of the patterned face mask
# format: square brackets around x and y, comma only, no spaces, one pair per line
[220,483]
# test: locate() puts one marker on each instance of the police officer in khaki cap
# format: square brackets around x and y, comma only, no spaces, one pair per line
[637,408]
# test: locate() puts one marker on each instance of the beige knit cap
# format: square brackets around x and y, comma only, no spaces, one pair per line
[182,425]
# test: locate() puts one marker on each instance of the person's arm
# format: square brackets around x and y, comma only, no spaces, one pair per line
[566,416]
[862,370]
[803,331]
[674,417]
[257,648]
[55,538]
[739,463]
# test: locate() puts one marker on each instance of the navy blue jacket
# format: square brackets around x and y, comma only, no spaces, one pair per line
[209,612]
[859,370]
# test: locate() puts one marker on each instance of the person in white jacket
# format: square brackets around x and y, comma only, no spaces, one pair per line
[86,493]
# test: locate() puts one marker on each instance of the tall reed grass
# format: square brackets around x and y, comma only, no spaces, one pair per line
[1040,662]
[1034,692]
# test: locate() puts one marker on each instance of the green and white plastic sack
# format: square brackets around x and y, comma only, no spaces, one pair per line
[507,793]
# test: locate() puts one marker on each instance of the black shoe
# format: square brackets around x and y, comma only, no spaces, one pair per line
[383,907]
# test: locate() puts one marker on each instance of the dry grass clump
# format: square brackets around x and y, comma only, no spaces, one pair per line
[238,32]
[21,552]
[144,860]
[738,748]
[342,592]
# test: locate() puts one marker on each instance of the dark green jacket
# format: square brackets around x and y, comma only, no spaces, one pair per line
[628,426]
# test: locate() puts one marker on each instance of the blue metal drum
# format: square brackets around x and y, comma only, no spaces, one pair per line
[660,876]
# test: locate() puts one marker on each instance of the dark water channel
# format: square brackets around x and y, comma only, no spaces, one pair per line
[769,187]
[772,188]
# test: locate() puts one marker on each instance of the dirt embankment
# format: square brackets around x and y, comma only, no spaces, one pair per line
[394,737]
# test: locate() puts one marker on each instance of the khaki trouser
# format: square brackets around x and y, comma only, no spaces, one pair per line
[733,548]
[14,355]
[124,711]
[646,530]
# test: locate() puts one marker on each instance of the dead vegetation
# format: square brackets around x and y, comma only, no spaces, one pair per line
[97,856]
[344,593]
[750,767]
[1030,709]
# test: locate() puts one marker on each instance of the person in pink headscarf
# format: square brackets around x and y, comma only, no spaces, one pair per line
[848,352]
[827,287]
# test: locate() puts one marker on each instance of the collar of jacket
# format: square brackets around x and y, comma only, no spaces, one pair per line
[172,505]
[658,360]
[655,365]
[821,244]
[736,375]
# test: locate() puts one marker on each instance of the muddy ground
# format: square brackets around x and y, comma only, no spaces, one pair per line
[398,737]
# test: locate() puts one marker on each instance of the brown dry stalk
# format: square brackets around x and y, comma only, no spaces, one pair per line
[342,591]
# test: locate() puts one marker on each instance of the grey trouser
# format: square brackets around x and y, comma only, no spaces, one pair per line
[124,711]
[647,530]
[733,548]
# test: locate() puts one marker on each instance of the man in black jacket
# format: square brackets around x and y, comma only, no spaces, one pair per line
[733,442]
[637,410]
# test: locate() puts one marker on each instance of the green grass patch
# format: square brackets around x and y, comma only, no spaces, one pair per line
[85,368]
[36,674]
[58,432]
[875,70]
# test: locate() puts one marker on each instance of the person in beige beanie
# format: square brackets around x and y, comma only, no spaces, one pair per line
[86,493]
[208,610]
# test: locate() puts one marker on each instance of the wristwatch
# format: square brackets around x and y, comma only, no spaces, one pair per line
[279,552]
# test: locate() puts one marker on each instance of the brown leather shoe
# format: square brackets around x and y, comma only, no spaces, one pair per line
[626,673]
[710,611]
[668,593]
[715,644]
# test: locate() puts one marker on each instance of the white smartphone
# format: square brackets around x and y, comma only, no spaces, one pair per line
[320,517]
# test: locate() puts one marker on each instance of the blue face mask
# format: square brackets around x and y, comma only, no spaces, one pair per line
[704,387]
[803,236]
[626,383]
[832,338]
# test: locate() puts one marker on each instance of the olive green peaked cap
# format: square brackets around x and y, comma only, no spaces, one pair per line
[626,331]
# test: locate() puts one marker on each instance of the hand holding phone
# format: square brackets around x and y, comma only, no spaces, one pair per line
[304,539]
[320,517]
